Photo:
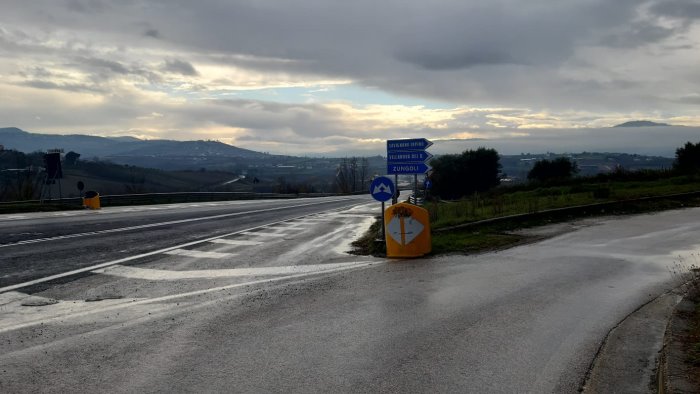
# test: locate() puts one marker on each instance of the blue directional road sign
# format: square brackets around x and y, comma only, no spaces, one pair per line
[382,189]
[407,144]
[428,184]
[407,156]
[408,168]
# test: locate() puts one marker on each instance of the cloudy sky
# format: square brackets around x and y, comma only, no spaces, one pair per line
[330,77]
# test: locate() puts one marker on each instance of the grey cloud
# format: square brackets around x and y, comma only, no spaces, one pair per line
[153,33]
[36,72]
[109,65]
[180,67]
[103,69]
[681,9]
[308,120]
[86,6]
[450,60]
[693,99]
[42,84]
[638,34]
[476,52]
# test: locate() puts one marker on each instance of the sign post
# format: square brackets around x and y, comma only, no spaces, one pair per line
[408,156]
[382,189]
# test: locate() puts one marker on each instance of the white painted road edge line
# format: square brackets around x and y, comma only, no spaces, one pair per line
[128,304]
[142,255]
[122,229]
[131,272]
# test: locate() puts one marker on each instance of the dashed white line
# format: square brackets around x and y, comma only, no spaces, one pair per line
[143,226]
[263,234]
[235,242]
[15,217]
[199,254]
[138,256]
[295,228]
[313,221]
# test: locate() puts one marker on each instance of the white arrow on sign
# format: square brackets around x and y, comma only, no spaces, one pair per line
[382,188]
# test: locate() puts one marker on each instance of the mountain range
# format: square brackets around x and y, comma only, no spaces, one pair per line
[108,147]
[641,123]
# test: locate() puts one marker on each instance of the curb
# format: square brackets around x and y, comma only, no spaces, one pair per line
[627,359]
[673,374]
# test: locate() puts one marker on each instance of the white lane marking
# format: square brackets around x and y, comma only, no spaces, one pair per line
[295,228]
[313,221]
[131,272]
[199,254]
[263,234]
[235,242]
[131,303]
[14,217]
[122,229]
[72,213]
[11,296]
[139,256]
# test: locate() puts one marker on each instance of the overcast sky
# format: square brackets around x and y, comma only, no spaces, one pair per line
[332,77]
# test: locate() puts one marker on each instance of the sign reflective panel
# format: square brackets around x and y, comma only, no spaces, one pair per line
[407,231]
[408,168]
[408,144]
[382,189]
[407,156]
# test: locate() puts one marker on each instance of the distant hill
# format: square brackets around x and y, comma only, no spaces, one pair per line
[640,123]
[106,147]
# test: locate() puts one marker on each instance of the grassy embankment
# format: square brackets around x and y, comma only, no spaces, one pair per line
[488,221]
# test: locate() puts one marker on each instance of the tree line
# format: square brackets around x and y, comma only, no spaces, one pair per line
[477,171]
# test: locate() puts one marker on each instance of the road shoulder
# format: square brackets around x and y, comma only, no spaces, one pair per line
[678,375]
[629,355]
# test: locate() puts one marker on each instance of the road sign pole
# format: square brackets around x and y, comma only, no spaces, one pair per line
[415,189]
[383,225]
[396,185]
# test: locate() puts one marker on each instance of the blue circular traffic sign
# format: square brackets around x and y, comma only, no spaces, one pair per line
[382,189]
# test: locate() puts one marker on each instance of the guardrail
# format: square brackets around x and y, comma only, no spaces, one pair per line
[168,198]
[578,209]
[416,200]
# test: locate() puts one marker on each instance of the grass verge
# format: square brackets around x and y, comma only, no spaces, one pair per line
[500,233]
[693,337]
[686,370]
[370,244]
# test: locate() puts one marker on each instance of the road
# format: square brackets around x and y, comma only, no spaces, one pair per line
[63,241]
[283,308]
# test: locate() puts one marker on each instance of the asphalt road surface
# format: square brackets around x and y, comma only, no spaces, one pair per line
[37,245]
[283,308]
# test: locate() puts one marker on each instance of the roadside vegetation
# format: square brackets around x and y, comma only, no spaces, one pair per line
[683,349]
[470,212]
[22,177]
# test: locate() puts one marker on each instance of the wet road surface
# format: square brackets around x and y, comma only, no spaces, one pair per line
[283,308]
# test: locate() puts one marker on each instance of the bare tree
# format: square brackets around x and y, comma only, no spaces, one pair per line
[364,169]
[342,176]
[353,173]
